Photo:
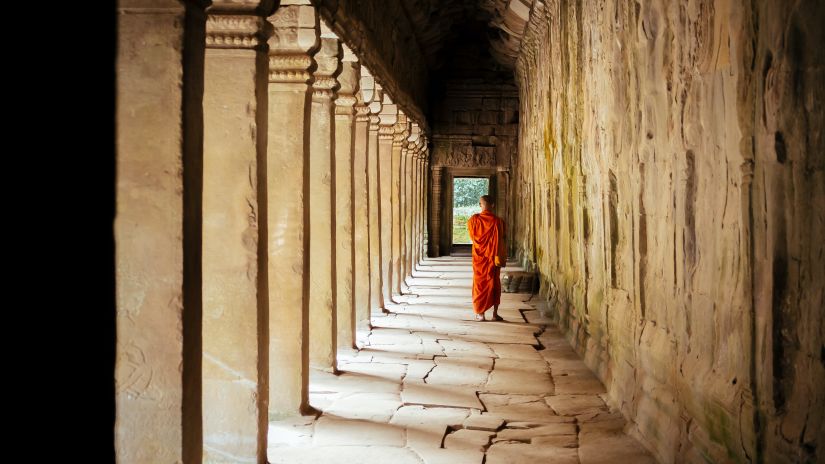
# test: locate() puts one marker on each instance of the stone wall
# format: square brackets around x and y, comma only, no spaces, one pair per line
[670,190]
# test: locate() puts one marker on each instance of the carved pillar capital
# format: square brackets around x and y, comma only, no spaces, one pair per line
[295,38]
[385,132]
[328,59]
[401,130]
[362,112]
[235,31]
[349,83]
[375,106]
[374,120]
[389,117]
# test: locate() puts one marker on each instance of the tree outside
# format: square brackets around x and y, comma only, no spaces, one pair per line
[466,192]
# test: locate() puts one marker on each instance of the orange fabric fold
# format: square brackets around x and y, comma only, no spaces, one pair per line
[487,233]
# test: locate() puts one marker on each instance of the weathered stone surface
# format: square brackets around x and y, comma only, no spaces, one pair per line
[606,447]
[571,405]
[448,456]
[348,80]
[444,395]
[524,377]
[483,422]
[292,431]
[295,39]
[158,293]
[374,194]
[330,431]
[526,434]
[516,407]
[522,453]
[360,202]
[516,352]
[233,340]
[468,439]
[342,454]
[652,193]
[373,407]
[467,371]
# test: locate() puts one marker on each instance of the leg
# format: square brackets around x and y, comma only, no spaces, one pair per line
[496,317]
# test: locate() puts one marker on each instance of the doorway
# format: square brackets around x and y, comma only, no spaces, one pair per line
[466,192]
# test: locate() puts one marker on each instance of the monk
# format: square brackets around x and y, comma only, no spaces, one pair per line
[489,256]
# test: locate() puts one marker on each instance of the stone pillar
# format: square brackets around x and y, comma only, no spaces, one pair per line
[235,334]
[157,227]
[412,145]
[503,195]
[435,211]
[323,325]
[397,144]
[295,39]
[425,198]
[411,149]
[404,174]
[404,209]
[425,195]
[408,195]
[344,231]
[376,296]
[361,201]
[416,205]
[388,118]
[422,192]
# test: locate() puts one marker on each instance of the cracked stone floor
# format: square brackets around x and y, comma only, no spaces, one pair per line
[430,385]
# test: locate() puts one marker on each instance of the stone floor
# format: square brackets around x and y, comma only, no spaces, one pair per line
[430,385]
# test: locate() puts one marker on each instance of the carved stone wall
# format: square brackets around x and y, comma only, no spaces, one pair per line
[670,190]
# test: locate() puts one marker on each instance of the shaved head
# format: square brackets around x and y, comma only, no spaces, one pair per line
[486,202]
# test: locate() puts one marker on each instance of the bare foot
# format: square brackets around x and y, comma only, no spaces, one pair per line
[480,317]
[496,317]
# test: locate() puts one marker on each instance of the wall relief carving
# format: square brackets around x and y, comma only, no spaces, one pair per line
[464,154]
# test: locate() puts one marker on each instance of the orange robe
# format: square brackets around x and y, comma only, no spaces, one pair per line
[487,233]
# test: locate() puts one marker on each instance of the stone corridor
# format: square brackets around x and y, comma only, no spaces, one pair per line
[430,385]
[285,192]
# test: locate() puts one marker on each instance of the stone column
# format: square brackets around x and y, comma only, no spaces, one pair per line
[388,118]
[344,231]
[157,227]
[416,205]
[235,337]
[376,296]
[404,174]
[408,195]
[361,201]
[323,325]
[295,40]
[425,198]
[435,211]
[395,266]
[412,145]
[502,196]
[402,223]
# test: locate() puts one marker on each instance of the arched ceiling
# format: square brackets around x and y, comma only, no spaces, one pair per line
[438,24]
[412,46]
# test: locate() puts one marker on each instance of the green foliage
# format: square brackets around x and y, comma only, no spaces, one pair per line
[460,233]
[466,191]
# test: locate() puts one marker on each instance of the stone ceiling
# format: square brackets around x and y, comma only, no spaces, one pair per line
[439,23]
[409,45]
